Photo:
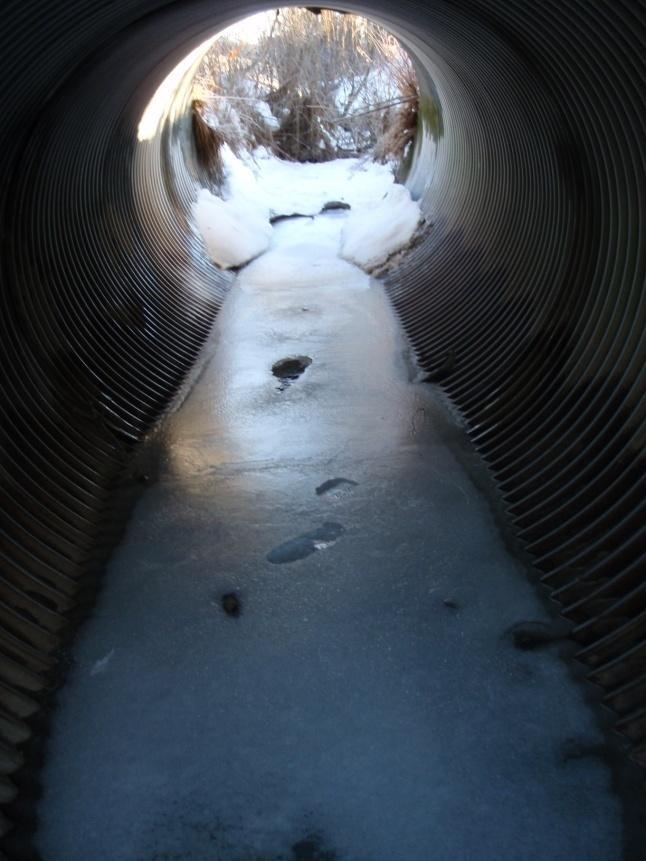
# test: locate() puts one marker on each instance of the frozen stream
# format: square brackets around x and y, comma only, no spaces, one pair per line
[368,703]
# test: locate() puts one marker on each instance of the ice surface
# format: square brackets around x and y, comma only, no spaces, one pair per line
[370,692]
[303,254]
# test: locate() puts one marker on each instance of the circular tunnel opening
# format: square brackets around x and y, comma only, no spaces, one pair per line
[524,301]
[309,85]
[300,86]
[303,113]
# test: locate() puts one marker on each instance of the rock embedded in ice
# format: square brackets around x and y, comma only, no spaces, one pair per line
[331,205]
[275,219]
[231,604]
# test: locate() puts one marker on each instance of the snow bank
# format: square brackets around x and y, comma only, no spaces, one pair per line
[242,181]
[372,233]
[234,231]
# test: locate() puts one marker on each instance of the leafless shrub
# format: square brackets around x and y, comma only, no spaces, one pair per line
[400,120]
[313,87]
[208,144]
[400,126]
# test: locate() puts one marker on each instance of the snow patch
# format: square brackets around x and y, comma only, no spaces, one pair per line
[265,112]
[234,231]
[372,233]
[242,181]
[286,186]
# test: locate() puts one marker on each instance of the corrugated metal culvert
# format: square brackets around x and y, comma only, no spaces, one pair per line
[531,164]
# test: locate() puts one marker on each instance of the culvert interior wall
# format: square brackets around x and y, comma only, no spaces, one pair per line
[530,167]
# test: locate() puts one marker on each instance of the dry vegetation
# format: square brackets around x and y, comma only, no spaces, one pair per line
[208,142]
[312,88]
[399,122]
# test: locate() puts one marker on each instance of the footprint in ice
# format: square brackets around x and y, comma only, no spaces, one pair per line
[311,849]
[335,485]
[582,748]
[529,636]
[304,545]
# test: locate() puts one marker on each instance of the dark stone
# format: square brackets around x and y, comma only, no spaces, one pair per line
[331,205]
[291,368]
[276,218]
[231,604]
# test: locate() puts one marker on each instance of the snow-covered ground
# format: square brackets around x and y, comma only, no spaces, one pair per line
[234,231]
[372,233]
[304,253]
[237,229]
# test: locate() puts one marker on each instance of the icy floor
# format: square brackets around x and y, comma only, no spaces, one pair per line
[368,702]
